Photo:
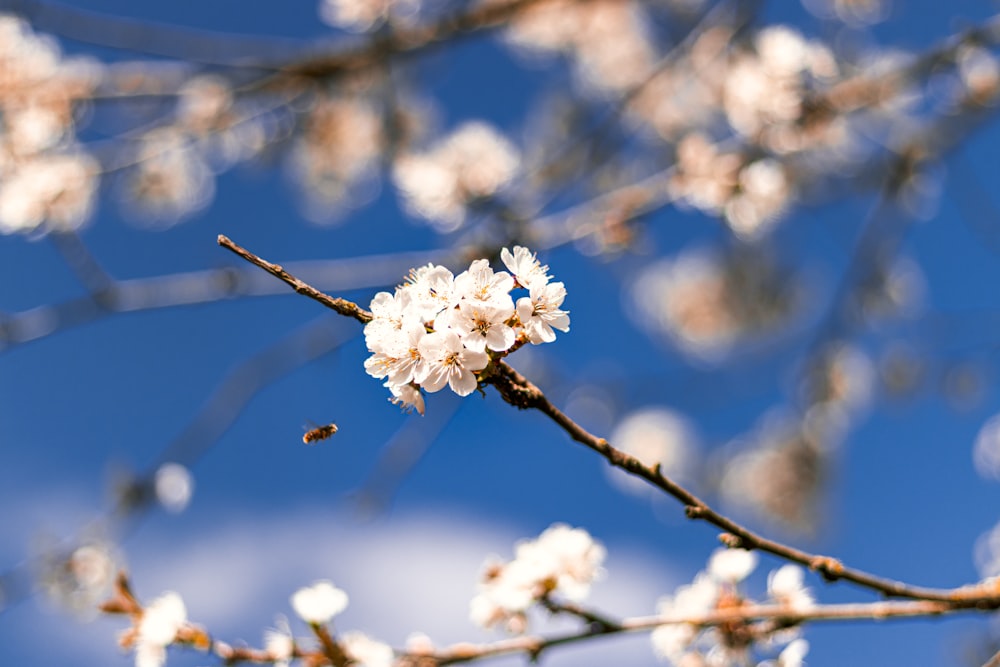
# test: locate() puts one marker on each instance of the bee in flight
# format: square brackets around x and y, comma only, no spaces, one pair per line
[319,433]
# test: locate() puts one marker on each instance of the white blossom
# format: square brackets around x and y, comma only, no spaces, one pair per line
[731,565]
[280,644]
[794,654]
[431,288]
[785,586]
[449,362]
[53,190]
[174,486]
[365,651]
[562,560]
[319,603]
[482,325]
[540,312]
[524,266]
[481,284]
[673,641]
[475,161]
[161,620]
[363,15]
[406,396]
[439,329]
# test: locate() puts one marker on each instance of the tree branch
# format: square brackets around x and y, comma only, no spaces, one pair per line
[341,306]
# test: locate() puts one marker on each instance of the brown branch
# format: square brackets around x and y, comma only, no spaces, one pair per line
[480,16]
[517,390]
[341,306]
[533,645]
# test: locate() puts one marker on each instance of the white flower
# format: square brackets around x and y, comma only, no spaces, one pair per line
[449,362]
[654,435]
[540,313]
[700,596]
[161,620]
[439,329]
[561,560]
[476,161]
[174,486]
[362,15]
[480,283]
[319,603]
[406,396]
[525,267]
[731,565]
[57,190]
[793,654]
[571,557]
[365,651]
[785,586]
[279,644]
[483,324]
[392,316]
[399,358]
[431,288]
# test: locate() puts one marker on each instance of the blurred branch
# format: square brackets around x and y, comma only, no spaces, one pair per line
[184,289]
[194,45]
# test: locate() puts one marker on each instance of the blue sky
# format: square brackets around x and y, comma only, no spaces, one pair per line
[270,514]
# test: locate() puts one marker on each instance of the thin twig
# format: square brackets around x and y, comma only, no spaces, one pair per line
[341,306]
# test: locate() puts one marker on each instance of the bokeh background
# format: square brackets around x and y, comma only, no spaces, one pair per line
[401,510]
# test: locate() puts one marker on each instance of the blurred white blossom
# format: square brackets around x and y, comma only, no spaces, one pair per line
[438,185]
[731,565]
[319,603]
[655,436]
[170,180]
[336,157]
[174,486]
[161,620]
[563,561]
[280,644]
[785,586]
[365,651]
[986,452]
[52,191]
[364,15]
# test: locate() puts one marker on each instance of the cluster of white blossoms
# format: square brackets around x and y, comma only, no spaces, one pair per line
[317,605]
[475,161]
[439,329]
[562,560]
[731,644]
[45,179]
